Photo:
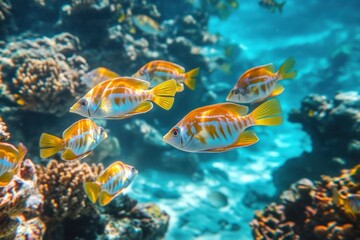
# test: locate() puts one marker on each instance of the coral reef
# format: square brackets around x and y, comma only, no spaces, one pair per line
[43,75]
[4,135]
[62,186]
[19,199]
[313,211]
[334,145]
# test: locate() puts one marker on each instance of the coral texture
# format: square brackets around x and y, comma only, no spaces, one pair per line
[4,135]
[43,75]
[62,187]
[334,145]
[312,211]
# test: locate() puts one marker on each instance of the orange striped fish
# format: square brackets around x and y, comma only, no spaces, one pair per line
[77,142]
[124,97]
[259,83]
[159,71]
[221,127]
[110,183]
[10,160]
[97,76]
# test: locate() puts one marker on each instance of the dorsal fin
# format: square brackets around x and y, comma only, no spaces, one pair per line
[240,109]
[175,66]
[137,83]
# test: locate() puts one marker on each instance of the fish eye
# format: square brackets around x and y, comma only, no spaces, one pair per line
[235,91]
[102,130]
[83,102]
[133,169]
[175,132]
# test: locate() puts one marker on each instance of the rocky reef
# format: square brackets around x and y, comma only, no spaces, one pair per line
[314,210]
[334,128]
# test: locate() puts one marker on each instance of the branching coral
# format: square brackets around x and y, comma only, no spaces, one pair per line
[62,186]
[43,75]
[311,211]
[4,135]
[20,198]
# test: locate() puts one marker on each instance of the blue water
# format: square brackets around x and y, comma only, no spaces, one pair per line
[313,32]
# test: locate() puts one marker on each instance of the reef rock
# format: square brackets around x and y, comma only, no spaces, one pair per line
[4,135]
[334,128]
[313,210]
[43,75]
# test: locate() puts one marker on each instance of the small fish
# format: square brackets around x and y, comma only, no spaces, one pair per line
[10,159]
[97,76]
[351,203]
[110,183]
[124,97]
[160,71]
[259,83]
[272,5]
[147,24]
[220,127]
[77,141]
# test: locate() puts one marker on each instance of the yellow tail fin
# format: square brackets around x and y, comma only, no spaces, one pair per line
[286,67]
[49,145]
[268,113]
[190,78]
[164,94]
[92,190]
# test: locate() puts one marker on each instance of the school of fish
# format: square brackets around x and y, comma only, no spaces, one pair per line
[214,128]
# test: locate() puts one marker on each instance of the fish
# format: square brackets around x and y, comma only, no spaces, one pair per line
[147,25]
[110,183]
[77,141]
[124,97]
[350,203]
[10,160]
[159,71]
[221,127]
[272,5]
[259,83]
[97,76]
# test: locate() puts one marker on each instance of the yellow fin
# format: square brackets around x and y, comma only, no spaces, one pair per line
[105,104]
[141,108]
[22,152]
[105,198]
[268,113]
[245,139]
[92,190]
[190,78]
[49,145]
[69,155]
[277,90]
[135,82]
[269,67]
[179,87]
[164,93]
[286,67]
[164,102]
[6,178]
[240,109]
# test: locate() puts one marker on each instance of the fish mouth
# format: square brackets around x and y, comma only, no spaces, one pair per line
[229,97]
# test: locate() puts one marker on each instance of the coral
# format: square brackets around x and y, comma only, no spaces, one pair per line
[136,221]
[334,145]
[4,135]
[62,187]
[43,75]
[19,198]
[30,229]
[312,211]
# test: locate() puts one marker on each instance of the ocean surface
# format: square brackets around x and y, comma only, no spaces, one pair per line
[206,195]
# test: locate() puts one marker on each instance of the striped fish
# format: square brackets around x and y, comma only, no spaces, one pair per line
[124,97]
[221,127]
[159,71]
[10,160]
[77,142]
[110,183]
[147,25]
[97,76]
[259,83]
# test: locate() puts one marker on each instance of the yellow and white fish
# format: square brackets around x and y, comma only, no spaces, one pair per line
[259,83]
[159,71]
[10,159]
[221,127]
[110,183]
[147,24]
[350,203]
[124,97]
[77,142]
[97,76]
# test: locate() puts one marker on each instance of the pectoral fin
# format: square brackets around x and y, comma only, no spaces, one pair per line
[142,108]
[277,90]
[105,104]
